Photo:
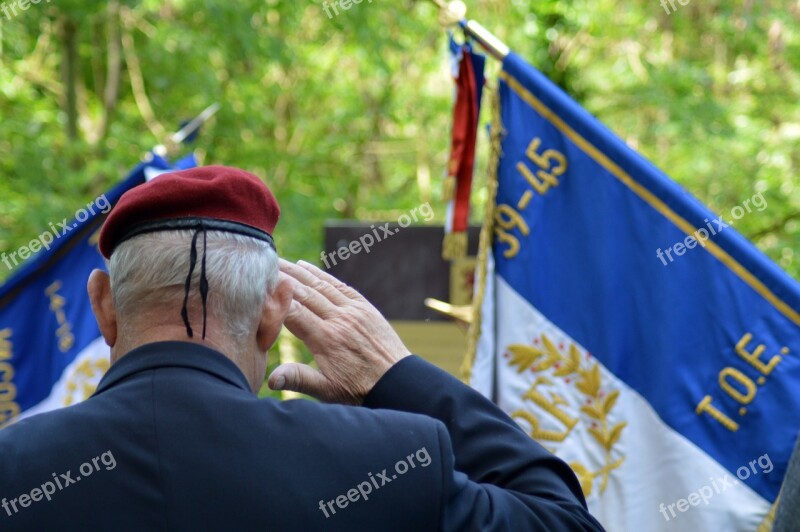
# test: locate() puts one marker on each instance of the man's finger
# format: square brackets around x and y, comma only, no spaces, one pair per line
[302,322]
[300,378]
[305,277]
[325,277]
[312,299]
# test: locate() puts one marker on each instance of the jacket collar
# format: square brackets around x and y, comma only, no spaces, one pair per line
[173,355]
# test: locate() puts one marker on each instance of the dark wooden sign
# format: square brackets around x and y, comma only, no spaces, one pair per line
[396,268]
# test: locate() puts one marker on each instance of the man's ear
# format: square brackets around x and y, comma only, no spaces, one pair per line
[99,288]
[273,314]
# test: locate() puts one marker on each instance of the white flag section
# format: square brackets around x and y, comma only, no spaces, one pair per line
[624,455]
[79,380]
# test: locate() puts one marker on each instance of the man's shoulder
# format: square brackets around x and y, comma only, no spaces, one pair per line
[355,421]
[41,427]
[36,439]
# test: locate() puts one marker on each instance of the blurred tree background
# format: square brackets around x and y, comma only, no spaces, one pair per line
[349,116]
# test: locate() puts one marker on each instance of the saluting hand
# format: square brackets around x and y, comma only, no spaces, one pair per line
[351,341]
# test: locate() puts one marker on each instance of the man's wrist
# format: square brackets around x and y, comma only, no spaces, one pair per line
[410,371]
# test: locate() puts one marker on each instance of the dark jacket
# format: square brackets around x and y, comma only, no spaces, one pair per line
[787,516]
[174,439]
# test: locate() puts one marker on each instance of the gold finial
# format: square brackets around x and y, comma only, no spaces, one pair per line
[451,13]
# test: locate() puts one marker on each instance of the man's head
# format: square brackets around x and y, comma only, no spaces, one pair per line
[191,258]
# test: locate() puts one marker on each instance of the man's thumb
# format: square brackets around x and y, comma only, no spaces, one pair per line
[299,378]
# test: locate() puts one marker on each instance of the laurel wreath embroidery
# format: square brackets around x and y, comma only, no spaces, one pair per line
[82,382]
[584,376]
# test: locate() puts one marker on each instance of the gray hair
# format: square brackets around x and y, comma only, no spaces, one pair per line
[149,272]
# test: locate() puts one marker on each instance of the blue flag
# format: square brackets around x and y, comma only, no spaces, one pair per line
[51,352]
[630,329]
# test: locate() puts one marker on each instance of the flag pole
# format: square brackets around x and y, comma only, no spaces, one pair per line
[195,124]
[175,139]
[454,13]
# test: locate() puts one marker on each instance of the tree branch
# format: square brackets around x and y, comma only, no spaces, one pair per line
[69,76]
[113,69]
[137,80]
[775,227]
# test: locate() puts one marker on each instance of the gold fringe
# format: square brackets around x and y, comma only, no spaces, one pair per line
[454,246]
[769,519]
[449,188]
[487,231]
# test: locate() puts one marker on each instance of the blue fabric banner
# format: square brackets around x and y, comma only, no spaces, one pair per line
[45,316]
[662,291]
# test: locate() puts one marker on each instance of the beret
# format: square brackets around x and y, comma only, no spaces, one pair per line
[209,197]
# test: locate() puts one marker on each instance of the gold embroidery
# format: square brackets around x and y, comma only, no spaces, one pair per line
[526,198]
[742,379]
[83,380]
[9,409]
[94,240]
[586,378]
[738,385]
[551,406]
[57,303]
[754,358]
[705,406]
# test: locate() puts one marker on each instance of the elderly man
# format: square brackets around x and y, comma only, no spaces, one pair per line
[176,439]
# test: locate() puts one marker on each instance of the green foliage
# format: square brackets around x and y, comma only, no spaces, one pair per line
[349,116]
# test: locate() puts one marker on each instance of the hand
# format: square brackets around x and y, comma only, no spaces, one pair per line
[351,341]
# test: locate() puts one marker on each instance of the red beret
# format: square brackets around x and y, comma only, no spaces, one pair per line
[208,197]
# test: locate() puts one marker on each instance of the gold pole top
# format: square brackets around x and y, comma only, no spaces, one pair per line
[455,13]
[451,13]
